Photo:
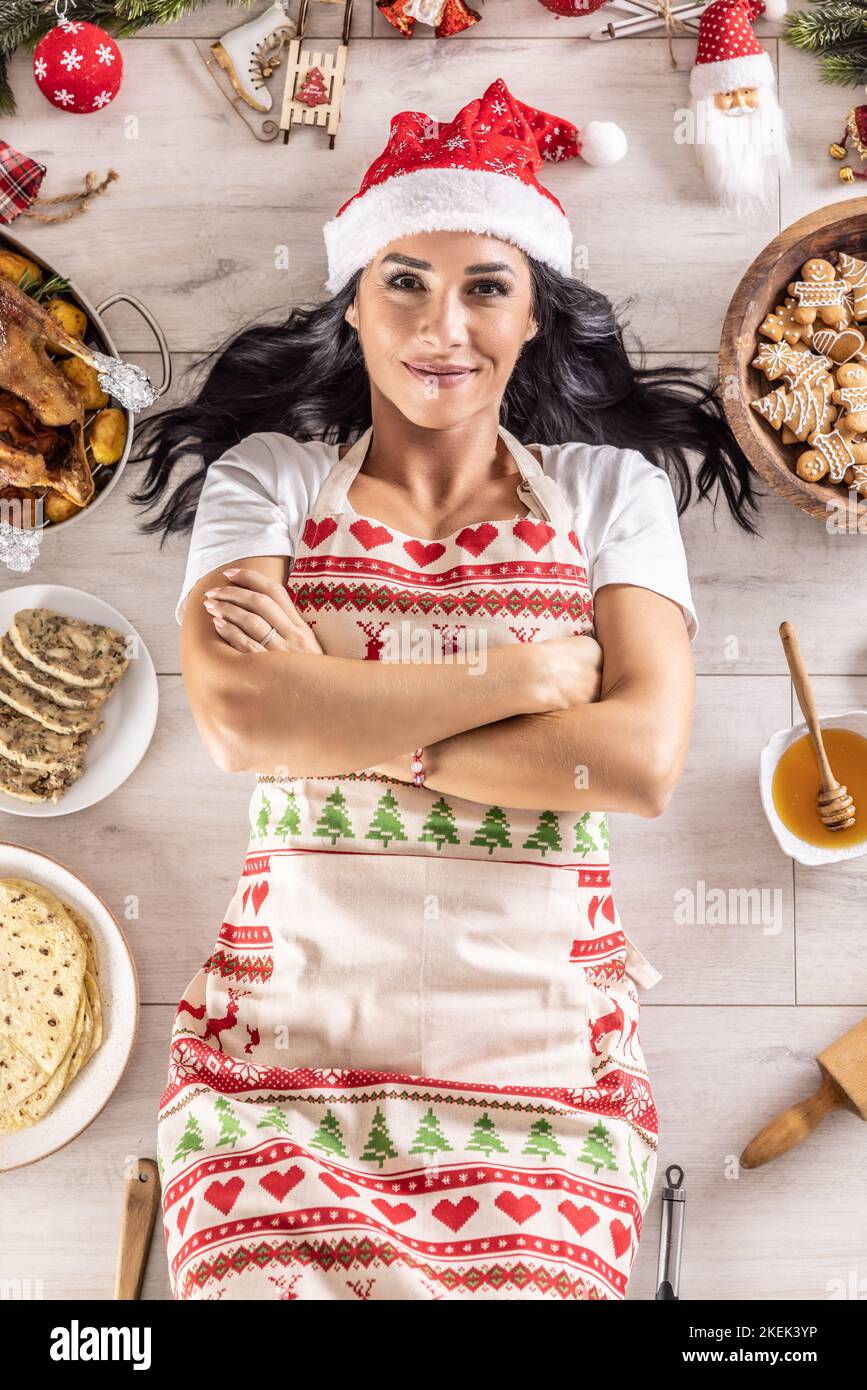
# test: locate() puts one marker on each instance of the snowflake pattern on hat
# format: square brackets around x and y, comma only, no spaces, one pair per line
[475,173]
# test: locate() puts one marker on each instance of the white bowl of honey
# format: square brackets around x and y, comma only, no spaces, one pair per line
[789,782]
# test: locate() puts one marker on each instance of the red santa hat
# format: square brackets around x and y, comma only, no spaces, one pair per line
[729,54]
[475,173]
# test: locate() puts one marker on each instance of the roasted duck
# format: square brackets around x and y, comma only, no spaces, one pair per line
[41,413]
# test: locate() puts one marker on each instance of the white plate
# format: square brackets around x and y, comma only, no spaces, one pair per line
[92,1088]
[801,850]
[130,713]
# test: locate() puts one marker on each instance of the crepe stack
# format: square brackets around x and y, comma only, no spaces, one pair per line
[50,1008]
[56,673]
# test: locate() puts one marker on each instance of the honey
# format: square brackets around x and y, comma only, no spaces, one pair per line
[796,785]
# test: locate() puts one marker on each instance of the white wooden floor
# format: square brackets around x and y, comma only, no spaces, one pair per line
[732,1030]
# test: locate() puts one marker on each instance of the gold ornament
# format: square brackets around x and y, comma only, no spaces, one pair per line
[846,175]
[836,152]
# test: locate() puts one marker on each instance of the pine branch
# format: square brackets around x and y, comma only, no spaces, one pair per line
[846,69]
[827,26]
[7,100]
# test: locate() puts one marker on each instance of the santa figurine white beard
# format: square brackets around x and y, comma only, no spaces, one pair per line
[742,150]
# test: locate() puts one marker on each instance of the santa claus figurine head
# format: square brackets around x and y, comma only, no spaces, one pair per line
[740,133]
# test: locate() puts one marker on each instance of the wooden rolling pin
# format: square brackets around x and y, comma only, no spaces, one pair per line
[843,1066]
[141,1196]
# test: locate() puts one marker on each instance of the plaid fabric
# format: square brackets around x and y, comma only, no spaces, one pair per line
[20,181]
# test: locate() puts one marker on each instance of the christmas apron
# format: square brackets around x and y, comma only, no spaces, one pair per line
[410,1067]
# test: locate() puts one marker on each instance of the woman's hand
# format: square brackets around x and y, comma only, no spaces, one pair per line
[573,669]
[247,608]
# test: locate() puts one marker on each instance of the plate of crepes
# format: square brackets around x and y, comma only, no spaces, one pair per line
[68,1005]
[78,699]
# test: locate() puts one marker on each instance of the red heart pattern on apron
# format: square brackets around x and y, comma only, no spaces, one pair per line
[620,1237]
[369,535]
[340,1189]
[224,1195]
[397,1212]
[424,553]
[184,1216]
[315,532]
[535,534]
[581,1219]
[279,1185]
[520,1209]
[476,539]
[455,1214]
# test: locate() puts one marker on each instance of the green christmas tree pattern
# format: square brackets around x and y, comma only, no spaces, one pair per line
[379,1144]
[263,818]
[290,821]
[231,1129]
[190,1141]
[334,822]
[274,1119]
[386,824]
[598,1151]
[493,833]
[584,841]
[603,832]
[429,1137]
[485,1139]
[542,1142]
[328,1136]
[639,1177]
[439,828]
[546,835]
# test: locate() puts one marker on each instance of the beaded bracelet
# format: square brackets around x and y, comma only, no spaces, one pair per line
[417,767]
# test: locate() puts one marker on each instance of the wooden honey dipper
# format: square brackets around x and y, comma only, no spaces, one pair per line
[836,807]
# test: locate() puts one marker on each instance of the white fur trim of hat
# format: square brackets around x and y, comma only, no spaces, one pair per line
[457,200]
[751,70]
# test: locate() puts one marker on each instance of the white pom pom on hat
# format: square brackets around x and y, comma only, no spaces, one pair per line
[602,143]
[475,173]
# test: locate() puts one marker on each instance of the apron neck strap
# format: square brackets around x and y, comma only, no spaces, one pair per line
[537,489]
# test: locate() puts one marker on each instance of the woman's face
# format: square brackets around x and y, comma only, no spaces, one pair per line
[441,318]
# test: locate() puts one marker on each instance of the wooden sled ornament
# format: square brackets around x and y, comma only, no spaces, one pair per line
[300,64]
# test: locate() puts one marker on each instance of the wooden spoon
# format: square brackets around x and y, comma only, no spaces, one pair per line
[141,1197]
[835,805]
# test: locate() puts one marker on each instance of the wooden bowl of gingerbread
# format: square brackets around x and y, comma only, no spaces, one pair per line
[793,364]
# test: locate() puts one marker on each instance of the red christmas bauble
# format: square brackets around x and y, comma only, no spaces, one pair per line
[573,8]
[78,67]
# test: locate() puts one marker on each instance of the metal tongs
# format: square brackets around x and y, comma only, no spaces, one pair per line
[671,1236]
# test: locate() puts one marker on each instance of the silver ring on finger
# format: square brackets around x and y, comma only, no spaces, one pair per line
[267,638]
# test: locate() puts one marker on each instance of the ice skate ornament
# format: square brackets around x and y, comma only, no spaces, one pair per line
[250,54]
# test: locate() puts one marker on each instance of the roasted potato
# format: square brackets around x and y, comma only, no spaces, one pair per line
[12,267]
[59,508]
[86,380]
[107,435]
[70,317]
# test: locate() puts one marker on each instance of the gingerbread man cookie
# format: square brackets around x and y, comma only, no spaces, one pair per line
[782,324]
[851,397]
[819,294]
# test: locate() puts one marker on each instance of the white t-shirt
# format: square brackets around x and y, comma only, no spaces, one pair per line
[257,495]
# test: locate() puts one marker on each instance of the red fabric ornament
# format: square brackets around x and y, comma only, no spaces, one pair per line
[573,8]
[78,67]
[451,16]
[312,91]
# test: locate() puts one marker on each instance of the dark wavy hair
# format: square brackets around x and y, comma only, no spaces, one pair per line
[574,380]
